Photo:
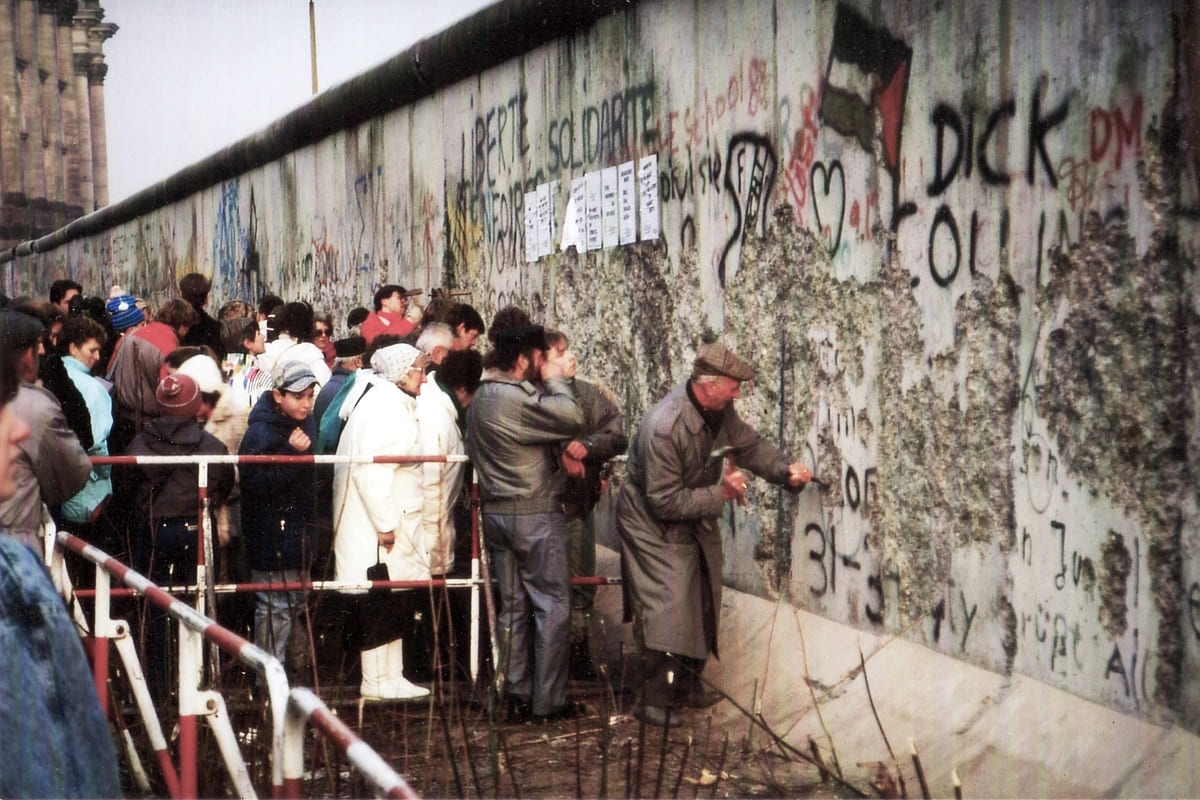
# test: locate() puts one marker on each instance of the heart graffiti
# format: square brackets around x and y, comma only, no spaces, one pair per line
[821,198]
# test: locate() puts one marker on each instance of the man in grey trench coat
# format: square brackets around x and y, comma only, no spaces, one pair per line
[686,461]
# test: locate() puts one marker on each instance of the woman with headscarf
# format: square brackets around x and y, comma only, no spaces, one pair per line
[377,513]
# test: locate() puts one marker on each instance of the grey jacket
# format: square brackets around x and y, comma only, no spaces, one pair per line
[512,427]
[49,466]
[671,556]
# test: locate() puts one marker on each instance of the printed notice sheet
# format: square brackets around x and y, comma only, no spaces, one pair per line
[628,202]
[545,221]
[573,220]
[531,231]
[610,222]
[592,211]
[648,189]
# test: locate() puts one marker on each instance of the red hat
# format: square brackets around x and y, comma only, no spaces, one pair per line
[178,396]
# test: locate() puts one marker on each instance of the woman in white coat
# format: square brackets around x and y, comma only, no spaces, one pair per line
[377,511]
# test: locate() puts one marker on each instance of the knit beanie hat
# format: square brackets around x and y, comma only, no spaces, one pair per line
[124,312]
[393,362]
[202,369]
[178,396]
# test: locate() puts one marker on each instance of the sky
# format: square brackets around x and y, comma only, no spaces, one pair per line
[187,78]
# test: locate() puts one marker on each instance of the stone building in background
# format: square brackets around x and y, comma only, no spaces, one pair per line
[53,148]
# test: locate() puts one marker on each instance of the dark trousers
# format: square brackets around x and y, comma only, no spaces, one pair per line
[165,552]
[529,556]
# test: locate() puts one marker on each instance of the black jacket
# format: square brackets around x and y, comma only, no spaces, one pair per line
[170,490]
[277,499]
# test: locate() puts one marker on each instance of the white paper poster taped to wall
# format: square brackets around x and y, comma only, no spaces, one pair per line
[648,191]
[574,219]
[545,221]
[610,222]
[531,231]
[592,210]
[627,184]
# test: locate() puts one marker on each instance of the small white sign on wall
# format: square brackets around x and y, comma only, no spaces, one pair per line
[627,182]
[648,195]
[610,222]
[593,212]
[545,221]
[531,229]
[574,221]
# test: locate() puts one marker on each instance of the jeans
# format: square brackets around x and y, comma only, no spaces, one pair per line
[55,741]
[529,556]
[276,614]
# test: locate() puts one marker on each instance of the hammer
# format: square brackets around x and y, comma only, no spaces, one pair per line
[717,455]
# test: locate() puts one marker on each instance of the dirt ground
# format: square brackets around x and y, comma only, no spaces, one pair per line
[452,746]
[448,748]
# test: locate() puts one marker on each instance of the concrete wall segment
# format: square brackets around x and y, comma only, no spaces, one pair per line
[958,241]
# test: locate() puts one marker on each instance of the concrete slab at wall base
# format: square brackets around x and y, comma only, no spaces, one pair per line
[1005,736]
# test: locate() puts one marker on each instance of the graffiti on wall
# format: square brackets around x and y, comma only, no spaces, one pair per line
[864,55]
[952,180]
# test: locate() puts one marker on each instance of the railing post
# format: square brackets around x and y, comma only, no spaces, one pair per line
[293,754]
[276,681]
[203,546]
[101,633]
[191,704]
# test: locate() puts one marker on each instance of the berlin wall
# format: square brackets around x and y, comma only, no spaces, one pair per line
[958,239]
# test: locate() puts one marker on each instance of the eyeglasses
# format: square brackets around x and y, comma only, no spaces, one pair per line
[320,332]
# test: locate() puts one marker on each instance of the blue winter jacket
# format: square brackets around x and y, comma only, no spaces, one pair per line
[277,499]
[55,741]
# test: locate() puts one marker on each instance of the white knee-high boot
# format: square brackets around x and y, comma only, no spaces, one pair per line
[374,668]
[383,674]
[400,686]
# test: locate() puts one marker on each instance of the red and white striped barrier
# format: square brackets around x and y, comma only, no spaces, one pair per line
[194,629]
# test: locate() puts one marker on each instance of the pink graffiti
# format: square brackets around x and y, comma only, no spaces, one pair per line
[804,148]
[692,125]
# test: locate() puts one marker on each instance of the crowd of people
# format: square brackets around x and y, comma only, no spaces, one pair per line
[113,376]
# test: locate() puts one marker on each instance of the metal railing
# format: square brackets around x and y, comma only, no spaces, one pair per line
[291,708]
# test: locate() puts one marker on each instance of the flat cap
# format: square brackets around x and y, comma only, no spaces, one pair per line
[350,347]
[714,358]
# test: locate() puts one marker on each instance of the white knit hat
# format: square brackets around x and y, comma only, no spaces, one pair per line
[202,369]
[393,362]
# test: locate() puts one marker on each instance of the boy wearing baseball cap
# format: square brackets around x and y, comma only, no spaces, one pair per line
[277,505]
